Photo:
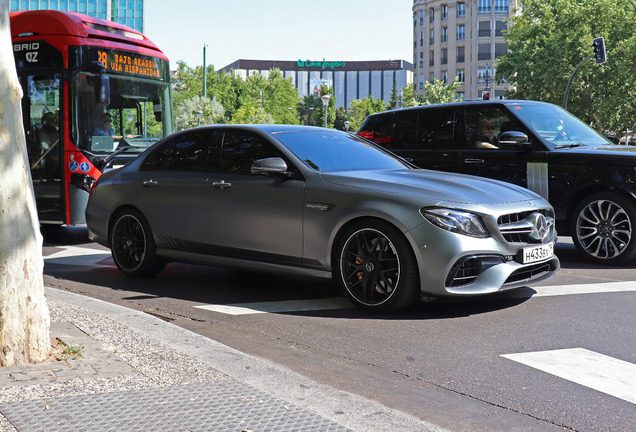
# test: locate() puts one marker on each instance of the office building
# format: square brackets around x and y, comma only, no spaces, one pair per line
[460,39]
[349,79]
[127,12]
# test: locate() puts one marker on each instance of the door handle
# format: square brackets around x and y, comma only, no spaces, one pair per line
[150,183]
[473,161]
[221,184]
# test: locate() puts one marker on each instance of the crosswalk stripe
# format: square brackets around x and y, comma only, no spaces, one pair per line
[279,306]
[558,290]
[596,371]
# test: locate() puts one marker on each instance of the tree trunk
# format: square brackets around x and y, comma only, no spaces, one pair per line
[24,315]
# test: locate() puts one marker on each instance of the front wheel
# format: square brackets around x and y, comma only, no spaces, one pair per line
[133,247]
[376,268]
[602,228]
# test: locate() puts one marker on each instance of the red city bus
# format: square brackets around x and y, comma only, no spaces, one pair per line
[96,94]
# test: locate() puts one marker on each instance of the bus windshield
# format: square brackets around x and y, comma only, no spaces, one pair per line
[133,117]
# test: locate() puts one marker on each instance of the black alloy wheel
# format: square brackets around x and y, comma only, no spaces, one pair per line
[133,247]
[603,228]
[376,267]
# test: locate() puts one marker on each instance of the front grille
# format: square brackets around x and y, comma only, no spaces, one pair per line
[530,272]
[516,229]
[466,270]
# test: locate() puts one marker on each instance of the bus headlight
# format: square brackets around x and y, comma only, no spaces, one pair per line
[82,181]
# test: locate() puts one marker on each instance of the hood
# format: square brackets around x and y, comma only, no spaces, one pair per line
[619,151]
[434,185]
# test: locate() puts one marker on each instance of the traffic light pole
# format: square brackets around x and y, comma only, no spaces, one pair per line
[567,89]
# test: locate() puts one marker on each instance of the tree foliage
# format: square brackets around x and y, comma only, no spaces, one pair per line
[550,37]
[437,92]
[186,117]
[360,109]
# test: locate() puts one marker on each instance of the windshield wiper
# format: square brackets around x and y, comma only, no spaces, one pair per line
[569,145]
[313,165]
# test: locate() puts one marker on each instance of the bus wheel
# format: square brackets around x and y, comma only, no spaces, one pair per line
[375,266]
[133,247]
[603,228]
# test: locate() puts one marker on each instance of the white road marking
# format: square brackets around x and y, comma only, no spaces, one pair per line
[597,371]
[79,256]
[279,306]
[75,251]
[557,290]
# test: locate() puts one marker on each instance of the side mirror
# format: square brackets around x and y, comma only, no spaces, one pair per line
[269,166]
[513,139]
[103,90]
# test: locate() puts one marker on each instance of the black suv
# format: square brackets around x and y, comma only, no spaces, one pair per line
[590,182]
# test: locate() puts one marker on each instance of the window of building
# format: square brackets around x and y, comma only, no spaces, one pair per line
[421,38]
[500,26]
[461,10]
[484,52]
[431,15]
[431,37]
[483,74]
[421,81]
[461,76]
[500,48]
[421,17]
[431,58]
[444,56]
[461,95]
[431,78]
[444,34]
[461,32]
[445,77]
[484,29]
[501,6]
[461,54]
[444,12]
[421,60]
[484,6]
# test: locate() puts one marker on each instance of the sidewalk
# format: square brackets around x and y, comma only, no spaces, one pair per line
[140,373]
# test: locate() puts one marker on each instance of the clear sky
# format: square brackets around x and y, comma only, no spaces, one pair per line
[280,30]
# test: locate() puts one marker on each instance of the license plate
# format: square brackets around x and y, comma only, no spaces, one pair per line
[537,253]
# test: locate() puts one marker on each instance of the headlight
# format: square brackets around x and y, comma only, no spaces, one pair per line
[456,221]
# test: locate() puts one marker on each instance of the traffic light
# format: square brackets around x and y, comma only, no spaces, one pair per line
[599,50]
[485,95]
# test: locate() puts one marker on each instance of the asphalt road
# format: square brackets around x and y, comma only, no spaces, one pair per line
[560,355]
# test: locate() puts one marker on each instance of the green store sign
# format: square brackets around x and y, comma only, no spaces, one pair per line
[321,64]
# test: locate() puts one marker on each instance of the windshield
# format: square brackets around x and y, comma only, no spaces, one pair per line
[135,115]
[557,126]
[325,150]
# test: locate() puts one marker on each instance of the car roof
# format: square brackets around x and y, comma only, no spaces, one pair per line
[466,103]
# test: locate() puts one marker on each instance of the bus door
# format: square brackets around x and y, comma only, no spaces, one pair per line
[45,143]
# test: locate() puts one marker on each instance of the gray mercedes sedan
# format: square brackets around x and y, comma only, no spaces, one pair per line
[321,202]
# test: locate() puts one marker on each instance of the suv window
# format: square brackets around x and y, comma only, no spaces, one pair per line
[483,125]
[188,151]
[436,129]
[394,130]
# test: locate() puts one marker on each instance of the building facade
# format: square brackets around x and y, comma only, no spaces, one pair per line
[127,12]
[460,39]
[349,79]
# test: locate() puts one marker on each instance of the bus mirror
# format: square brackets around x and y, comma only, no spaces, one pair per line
[158,110]
[103,90]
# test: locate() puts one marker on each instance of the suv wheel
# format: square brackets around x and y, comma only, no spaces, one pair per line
[603,228]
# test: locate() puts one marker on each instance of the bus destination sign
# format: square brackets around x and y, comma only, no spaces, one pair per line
[129,63]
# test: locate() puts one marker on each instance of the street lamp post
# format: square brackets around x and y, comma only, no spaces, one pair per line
[325,101]
[205,75]
[198,113]
[346,123]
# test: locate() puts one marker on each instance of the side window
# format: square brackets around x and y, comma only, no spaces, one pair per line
[241,148]
[483,125]
[394,131]
[185,152]
[436,129]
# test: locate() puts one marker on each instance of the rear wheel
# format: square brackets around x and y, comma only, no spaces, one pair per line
[376,268]
[133,247]
[603,228]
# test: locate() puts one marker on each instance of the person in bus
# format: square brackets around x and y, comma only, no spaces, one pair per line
[49,138]
[104,127]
